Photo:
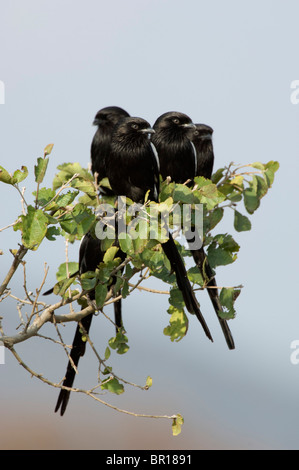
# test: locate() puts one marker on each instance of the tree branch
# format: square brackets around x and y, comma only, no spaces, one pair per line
[17,260]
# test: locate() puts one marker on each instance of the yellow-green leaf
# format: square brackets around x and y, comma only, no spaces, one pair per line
[177,423]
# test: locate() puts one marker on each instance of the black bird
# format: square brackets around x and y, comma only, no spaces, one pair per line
[201,137]
[90,255]
[176,151]
[202,140]
[174,133]
[105,120]
[133,170]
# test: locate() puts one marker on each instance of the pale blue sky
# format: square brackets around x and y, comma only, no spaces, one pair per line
[227,64]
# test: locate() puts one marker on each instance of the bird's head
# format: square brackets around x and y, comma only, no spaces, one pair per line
[174,124]
[132,130]
[202,132]
[109,117]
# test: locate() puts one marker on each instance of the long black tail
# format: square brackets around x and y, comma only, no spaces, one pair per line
[78,350]
[201,261]
[118,315]
[184,285]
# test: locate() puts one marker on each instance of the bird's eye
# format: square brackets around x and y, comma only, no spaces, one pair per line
[135,126]
[196,133]
[176,120]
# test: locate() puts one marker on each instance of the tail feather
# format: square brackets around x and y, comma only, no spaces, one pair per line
[78,350]
[201,261]
[118,315]
[178,267]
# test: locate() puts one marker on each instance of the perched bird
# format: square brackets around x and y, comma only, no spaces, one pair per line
[90,255]
[105,120]
[133,171]
[202,140]
[180,145]
[176,151]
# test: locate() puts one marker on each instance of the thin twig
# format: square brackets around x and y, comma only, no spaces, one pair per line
[10,225]
[86,392]
[17,260]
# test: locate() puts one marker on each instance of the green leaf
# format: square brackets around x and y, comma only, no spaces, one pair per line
[207,193]
[213,218]
[88,280]
[176,298]
[5,177]
[262,187]
[237,180]
[34,228]
[110,254]
[166,191]
[107,353]
[66,199]
[45,195]
[17,177]
[222,250]
[52,232]
[100,294]
[78,221]
[183,194]
[113,386]
[177,423]
[126,243]
[217,176]
[178,324]
[251,199]
[66,269]
[271,167]
[40,169]
[149,382]
[85,186]
[119,342]
[20,175]
[62,286]
[195,276]
[105,183]
[258,165]
[67,171]
[241,222]
[48,149]
[227,299]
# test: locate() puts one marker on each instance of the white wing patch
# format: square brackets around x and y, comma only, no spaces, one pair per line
[195,156]
[156,155]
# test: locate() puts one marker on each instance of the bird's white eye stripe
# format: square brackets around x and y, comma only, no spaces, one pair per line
[156,155]
[195,156]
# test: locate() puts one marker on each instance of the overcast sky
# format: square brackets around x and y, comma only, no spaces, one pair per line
[227,64]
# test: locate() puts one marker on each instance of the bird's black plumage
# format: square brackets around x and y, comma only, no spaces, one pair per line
[185,153]
[202,140]
[201,137]
[90,253]
[105,120]
[133,170]
[90,256]
[176,152]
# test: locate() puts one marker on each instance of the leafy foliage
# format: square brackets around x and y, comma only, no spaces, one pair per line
[67,209]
